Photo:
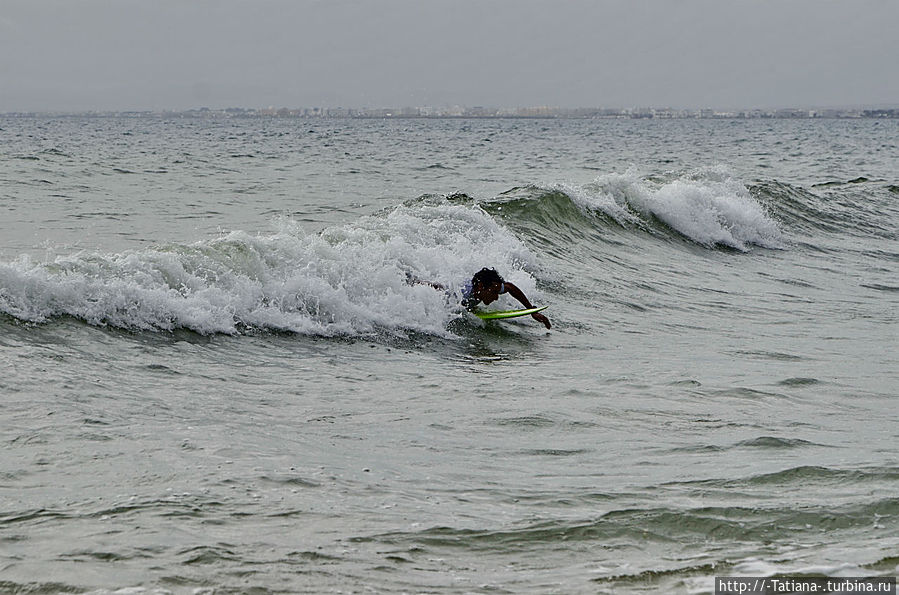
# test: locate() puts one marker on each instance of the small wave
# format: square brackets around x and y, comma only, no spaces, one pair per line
[799,381]
[771,355]
[531,421]
[554,452]
[880,287]
[204,554]
[774,442]
[88,556]
[663,525]
[889,564]
[435,166]
[347,280]
[807,475]
[55,152]
[38,587]
[658,578]
[859,180]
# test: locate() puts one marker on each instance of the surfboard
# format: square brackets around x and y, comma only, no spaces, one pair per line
[498,315]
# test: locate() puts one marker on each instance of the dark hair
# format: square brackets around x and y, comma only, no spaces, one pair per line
[486,277]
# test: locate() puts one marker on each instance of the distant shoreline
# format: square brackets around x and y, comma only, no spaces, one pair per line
[461,113]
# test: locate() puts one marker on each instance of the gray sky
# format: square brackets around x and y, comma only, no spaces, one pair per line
[177,54]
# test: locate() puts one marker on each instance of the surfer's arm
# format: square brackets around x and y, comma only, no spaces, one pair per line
[541,318]
[516,293]
[413,280]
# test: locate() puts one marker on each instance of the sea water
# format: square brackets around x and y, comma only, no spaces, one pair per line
[217,376]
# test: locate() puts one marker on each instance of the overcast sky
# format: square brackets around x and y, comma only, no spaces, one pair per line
[177,54]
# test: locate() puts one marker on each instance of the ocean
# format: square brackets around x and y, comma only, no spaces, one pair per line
[218,378]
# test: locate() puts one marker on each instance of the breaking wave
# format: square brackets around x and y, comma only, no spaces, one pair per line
[708,208]
[355,279]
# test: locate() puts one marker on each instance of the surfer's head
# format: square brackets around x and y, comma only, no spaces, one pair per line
[486,285]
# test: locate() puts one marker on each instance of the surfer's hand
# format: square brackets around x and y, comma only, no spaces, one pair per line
[541,318]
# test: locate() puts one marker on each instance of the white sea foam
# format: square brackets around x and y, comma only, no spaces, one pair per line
[351,279]
[708,207]
[759,567]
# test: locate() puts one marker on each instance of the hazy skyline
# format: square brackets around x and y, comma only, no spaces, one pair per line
[123,54]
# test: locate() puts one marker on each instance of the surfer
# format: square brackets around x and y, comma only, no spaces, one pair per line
[487,285]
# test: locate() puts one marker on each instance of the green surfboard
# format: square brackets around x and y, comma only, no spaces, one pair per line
[498,315]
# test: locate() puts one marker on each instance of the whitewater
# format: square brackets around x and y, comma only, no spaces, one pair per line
[226,367]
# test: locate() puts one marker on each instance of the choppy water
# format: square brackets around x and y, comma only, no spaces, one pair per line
[216,377]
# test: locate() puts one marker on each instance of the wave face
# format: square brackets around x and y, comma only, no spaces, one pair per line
[859,208]
[347,280]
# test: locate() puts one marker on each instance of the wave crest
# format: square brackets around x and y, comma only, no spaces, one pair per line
[708,208]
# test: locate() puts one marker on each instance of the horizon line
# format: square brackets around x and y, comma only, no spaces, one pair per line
[457,110]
